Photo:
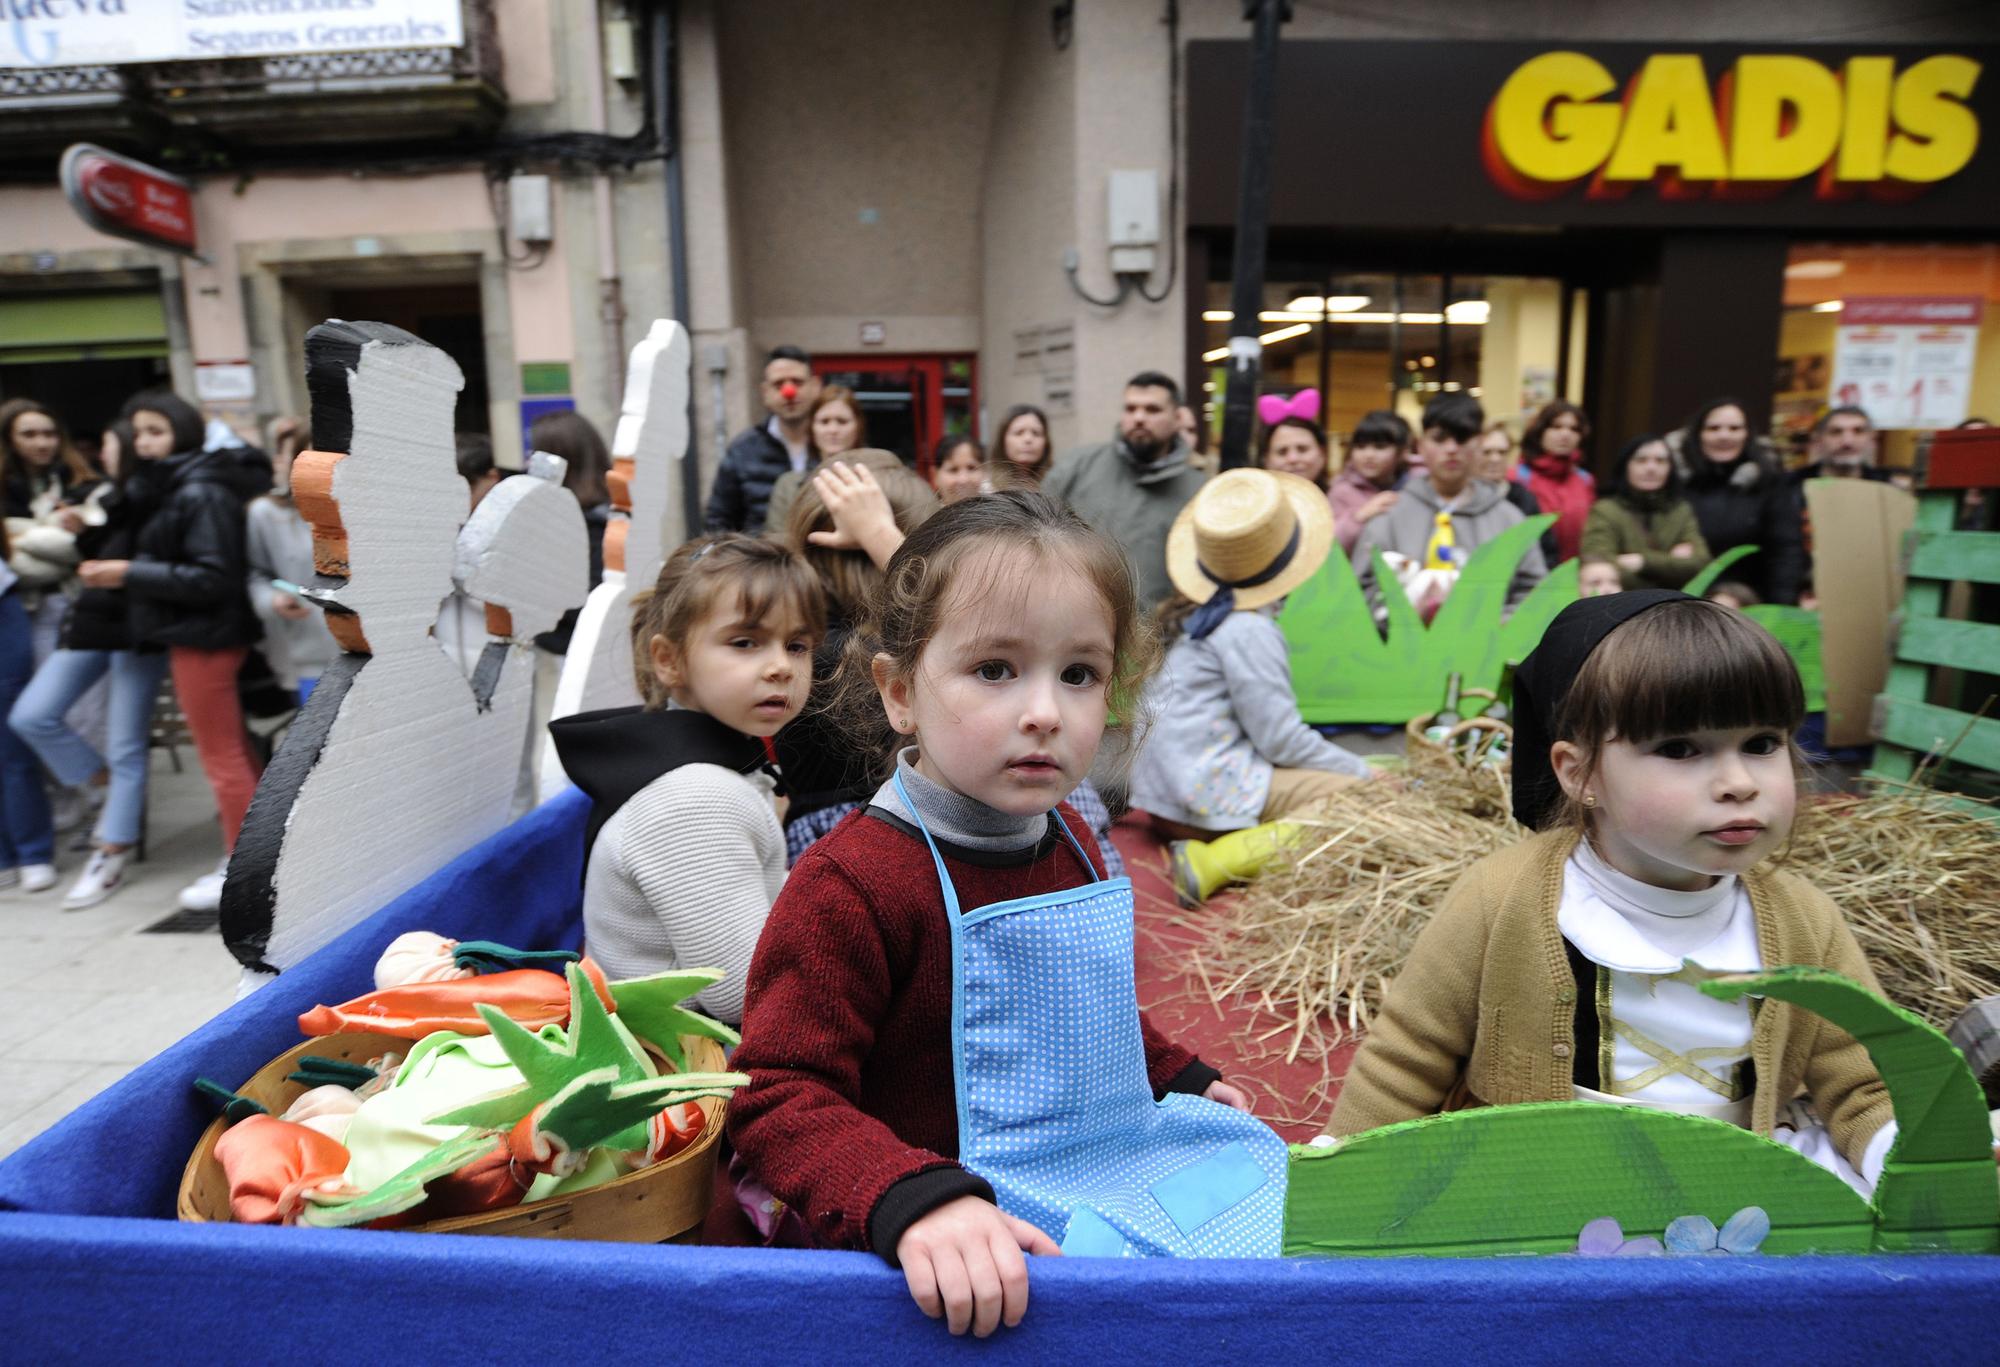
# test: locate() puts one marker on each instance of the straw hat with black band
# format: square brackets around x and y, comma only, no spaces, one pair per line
[1247,539]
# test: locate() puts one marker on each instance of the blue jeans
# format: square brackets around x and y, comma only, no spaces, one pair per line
[37,718]
[26,835]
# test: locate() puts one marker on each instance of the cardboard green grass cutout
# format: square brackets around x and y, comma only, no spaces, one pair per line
[1527,1179]
[1344,670]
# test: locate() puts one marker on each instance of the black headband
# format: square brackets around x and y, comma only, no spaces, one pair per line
[1542,684]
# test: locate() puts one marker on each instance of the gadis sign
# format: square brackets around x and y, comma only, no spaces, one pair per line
[129,199]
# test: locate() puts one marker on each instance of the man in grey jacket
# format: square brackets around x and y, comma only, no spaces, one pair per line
[1479,510]
[1133,486]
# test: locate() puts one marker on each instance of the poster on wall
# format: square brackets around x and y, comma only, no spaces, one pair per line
[1907,360]
[106,34]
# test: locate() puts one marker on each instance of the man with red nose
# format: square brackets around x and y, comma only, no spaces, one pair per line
[742,490]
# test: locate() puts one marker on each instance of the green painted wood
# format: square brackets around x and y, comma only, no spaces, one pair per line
[1884,772]
[1959,645]
[1699,586]
[1974,556]
[1450,1185]
[1920,727]
[1909,681]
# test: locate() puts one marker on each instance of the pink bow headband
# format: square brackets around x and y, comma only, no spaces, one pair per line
[1275,408]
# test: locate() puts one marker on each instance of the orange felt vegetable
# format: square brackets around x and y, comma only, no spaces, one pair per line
[531,997]
[271,1163]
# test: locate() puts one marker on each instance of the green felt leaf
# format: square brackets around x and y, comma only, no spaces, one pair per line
[651,1008]
[1937,1189]
[598,1108]
[400,1192]
[594,1043]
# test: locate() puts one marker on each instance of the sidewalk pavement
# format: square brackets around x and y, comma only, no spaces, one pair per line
[93,995]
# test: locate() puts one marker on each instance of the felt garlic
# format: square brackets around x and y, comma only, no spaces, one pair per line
[418,956]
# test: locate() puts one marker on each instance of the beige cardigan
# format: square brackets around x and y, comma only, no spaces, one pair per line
[1483,1012]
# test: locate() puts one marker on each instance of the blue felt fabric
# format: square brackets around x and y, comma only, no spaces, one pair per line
[78,1287]
[122,1152]
[120,1290]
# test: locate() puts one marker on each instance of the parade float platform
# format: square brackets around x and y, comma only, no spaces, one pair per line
[94,1266]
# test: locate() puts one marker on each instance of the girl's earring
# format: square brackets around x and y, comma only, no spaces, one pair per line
[1589,800]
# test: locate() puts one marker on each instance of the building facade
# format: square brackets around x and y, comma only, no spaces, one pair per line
[937,200]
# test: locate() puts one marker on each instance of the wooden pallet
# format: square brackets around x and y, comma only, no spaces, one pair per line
[1908,721]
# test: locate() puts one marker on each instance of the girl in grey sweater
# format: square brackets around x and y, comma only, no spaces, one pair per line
[1228,757]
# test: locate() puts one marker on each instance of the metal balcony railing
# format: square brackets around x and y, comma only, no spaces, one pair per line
[295,99]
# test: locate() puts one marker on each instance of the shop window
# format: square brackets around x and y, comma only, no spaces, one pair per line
[1397,341]
[1908,331]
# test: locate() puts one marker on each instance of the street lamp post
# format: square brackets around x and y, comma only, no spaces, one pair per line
[1253,211]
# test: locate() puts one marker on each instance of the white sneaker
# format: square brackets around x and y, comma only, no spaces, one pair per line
[204,893]
[37,877]
[101,877]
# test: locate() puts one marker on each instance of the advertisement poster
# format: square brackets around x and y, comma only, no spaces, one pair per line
[1908,361]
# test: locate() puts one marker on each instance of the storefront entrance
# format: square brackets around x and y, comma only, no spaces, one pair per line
[909,402]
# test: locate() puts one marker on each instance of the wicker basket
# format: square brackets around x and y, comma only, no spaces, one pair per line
[656,1203]
[1428,758]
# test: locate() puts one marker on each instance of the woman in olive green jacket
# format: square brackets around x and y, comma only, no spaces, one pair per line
[1644,525]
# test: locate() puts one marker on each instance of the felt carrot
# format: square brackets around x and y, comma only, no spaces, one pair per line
[531,997]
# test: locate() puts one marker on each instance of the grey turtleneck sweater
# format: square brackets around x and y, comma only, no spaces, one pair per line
[955,819]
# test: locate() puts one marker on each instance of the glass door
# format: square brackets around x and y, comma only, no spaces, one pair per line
[909,402]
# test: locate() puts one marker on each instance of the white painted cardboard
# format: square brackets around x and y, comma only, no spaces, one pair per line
[652,432]
[412,772]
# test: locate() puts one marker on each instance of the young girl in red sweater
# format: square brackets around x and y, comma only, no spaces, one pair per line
[948,1064]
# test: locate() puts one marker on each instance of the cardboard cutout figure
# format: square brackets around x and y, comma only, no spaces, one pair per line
[649,444]
[398,763]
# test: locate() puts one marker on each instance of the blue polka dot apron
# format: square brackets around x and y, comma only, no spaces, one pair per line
[1054,1106]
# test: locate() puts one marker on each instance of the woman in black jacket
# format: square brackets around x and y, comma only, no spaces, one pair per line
[1741,497]
[184,587]
[97,640]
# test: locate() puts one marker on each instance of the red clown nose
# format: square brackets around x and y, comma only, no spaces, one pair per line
[789,390]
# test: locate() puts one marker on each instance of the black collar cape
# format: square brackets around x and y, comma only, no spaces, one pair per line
[612,755]
[1542,683]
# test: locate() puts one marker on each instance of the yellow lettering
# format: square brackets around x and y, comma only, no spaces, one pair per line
[1544,124]
[1935,135]
[1760,146]
[1669,122]
[1864,133]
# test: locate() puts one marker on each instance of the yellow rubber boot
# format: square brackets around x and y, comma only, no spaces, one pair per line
[1203,866]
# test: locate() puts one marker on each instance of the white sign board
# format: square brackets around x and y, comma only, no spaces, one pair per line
[108,32]
[1907,361]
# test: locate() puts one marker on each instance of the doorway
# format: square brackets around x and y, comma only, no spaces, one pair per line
[445,313]
[909,403]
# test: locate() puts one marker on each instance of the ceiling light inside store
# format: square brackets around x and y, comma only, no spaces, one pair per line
[1829,306]
[1814,270]
[1221,353]
[1332,303]
[1465,313]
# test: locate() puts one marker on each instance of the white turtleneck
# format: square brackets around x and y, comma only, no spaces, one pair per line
[1642,935]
